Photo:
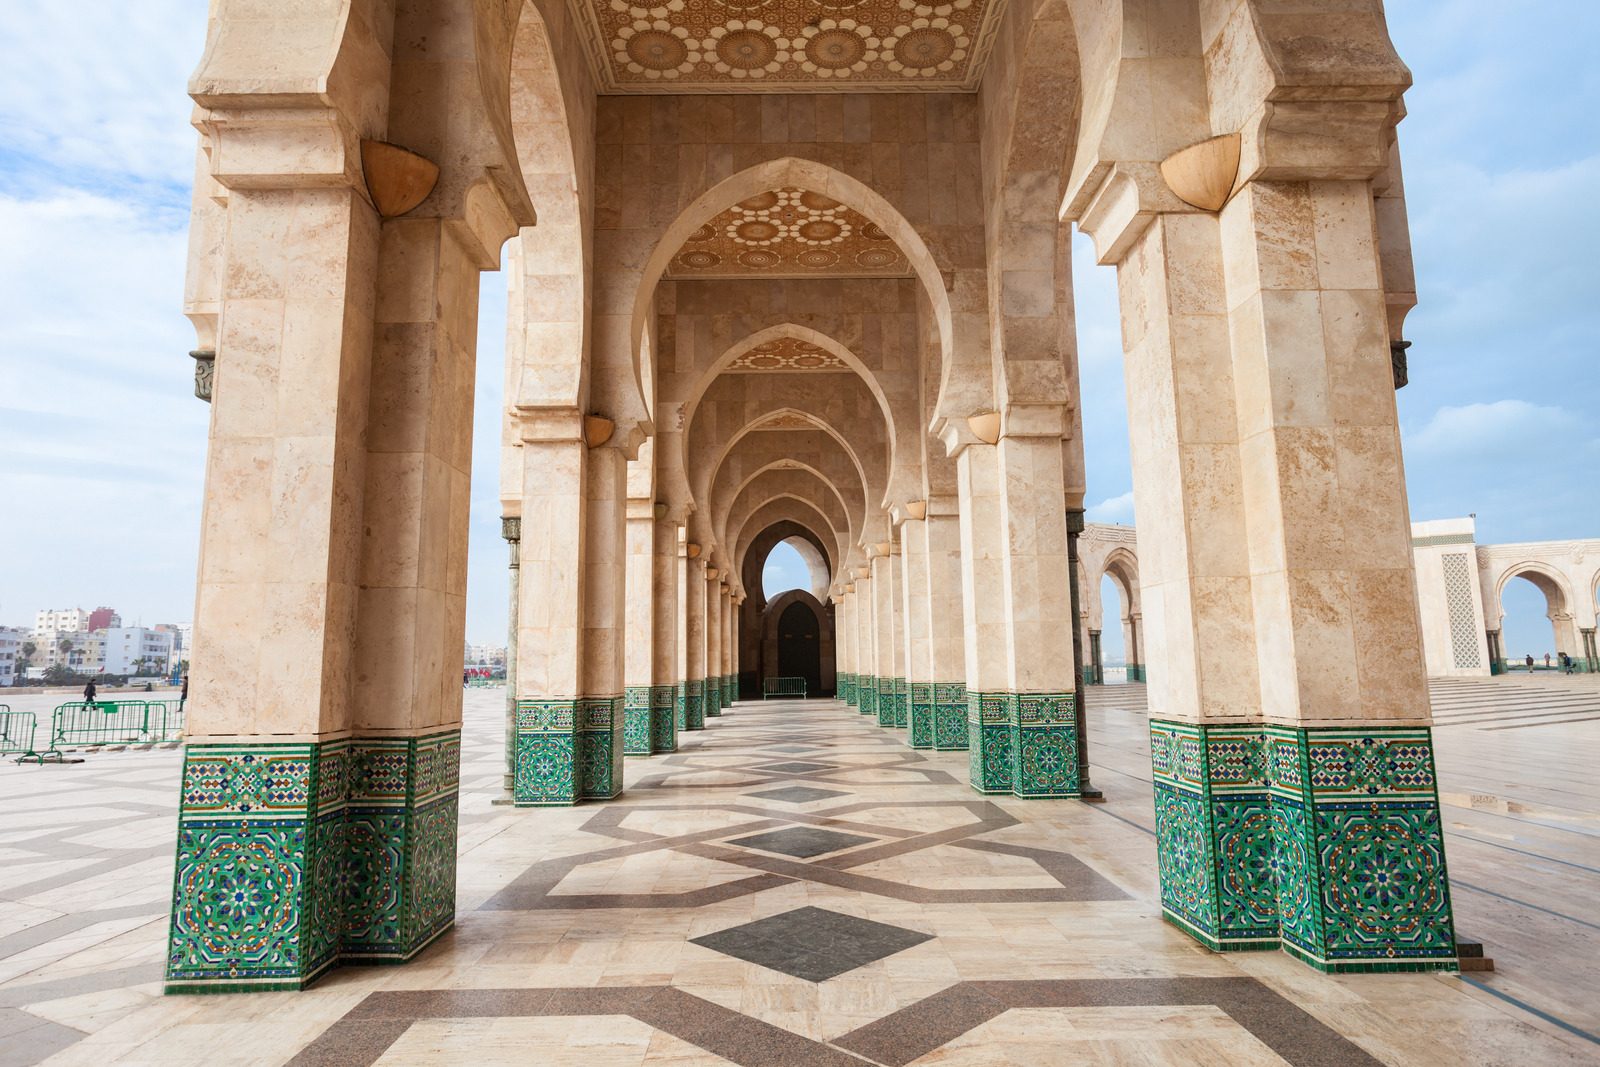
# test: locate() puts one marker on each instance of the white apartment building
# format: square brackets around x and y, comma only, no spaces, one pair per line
[10,650]
[136,650]
[64,621]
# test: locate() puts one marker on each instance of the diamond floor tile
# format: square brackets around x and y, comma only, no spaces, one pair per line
[797,767]
[798,794]
[813,944]
[801,842]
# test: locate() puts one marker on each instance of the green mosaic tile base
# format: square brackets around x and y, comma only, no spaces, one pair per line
[867,691]
[1136,672]
[568,750]
[847,688]
[949,717]
[663,719]
[1325,842]
[694,708]
[636,720]
[292,858]
[919,713]
[711,699]
[889,708]
[1025,744]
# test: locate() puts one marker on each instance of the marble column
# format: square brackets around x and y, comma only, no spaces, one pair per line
[511,531]
[730,648]
[1021,711]
[845,662]
[1296,800]
[866,639]
[711,628]
[946,627]
[570,667]
[916,636]
[886,648]
[278,586]
[693,572]
[665,634]
[639,651]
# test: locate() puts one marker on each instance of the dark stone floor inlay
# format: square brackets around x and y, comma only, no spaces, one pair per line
[802,842]
[798,794]
[813,944]
[794,748]
[797,767]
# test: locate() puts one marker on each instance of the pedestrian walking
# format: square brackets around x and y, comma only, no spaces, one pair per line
[1547,661]
[183,694]
[89,692]
[1530,662]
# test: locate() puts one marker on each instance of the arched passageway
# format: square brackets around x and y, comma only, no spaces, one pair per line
[748,307]
[798,641]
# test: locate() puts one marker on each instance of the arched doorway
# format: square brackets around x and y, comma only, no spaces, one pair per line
[798,641]
[800,646]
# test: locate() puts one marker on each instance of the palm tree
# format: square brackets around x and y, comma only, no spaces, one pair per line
[28,649]
[65,645]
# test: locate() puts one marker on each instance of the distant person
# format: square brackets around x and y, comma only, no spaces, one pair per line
[1547,661]
[183,694]
[1571,664]
[466,679]
[89,692]
[1530,662]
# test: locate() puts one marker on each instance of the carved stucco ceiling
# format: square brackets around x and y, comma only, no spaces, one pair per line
[721,46]
[786,420]
[785,354]
[786,233]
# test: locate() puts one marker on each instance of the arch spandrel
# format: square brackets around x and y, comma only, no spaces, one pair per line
[895,390]
[938,254]
[734,407]
[787,477]
[777,519]
[816,451]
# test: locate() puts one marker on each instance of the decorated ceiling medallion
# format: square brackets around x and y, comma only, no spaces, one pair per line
[785,353]
[787,45]
[789,233]
[787,420]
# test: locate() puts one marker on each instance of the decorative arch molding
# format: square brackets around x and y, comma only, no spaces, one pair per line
[786,477]
[804,541]
[1122,567]
[1548,579]
[795,518]
[817,422]
[772,615]
[968,392]
[841,471]
[787,504]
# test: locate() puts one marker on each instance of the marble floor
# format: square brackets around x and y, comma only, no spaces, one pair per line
[797,886]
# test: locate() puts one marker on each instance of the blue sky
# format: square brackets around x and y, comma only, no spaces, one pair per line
[102,446]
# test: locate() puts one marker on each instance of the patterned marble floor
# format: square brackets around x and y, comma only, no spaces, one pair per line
[796,886]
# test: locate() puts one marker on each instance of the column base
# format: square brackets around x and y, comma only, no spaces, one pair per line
[846,687]
[730,690]
[663,719]
[711,697]
[294,858]
[1025,744]
[867,691]
[920,712]
[636,720]
[568,750]
[1136,672]
[1324,842]
[891,702]
[949,717]
[694,713]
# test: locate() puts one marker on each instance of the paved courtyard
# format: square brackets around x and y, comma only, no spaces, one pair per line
[796,886]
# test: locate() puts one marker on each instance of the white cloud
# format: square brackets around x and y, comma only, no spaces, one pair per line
[1113,509]
[1508,428]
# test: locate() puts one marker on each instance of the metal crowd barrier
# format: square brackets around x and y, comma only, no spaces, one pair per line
[16,731]
[783,687]
[78,724]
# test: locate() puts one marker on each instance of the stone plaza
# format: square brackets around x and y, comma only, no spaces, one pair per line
[800,273]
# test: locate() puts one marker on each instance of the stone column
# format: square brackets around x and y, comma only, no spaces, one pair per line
[886,634]
[730,644]
[1296,802]
[843,664]
[916,634]
[712,631]
[693,571]
[665,635]
[866,644]
[1080,716]
[279,575]
[511,530]
[639,651]
[1022,730]
[946,628]
[570,665]
[1097,670]
[1133,642]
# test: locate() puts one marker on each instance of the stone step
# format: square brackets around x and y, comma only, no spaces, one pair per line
[1470,953]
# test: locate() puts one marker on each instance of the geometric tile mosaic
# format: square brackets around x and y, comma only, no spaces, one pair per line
[813,944]
[1323,841]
